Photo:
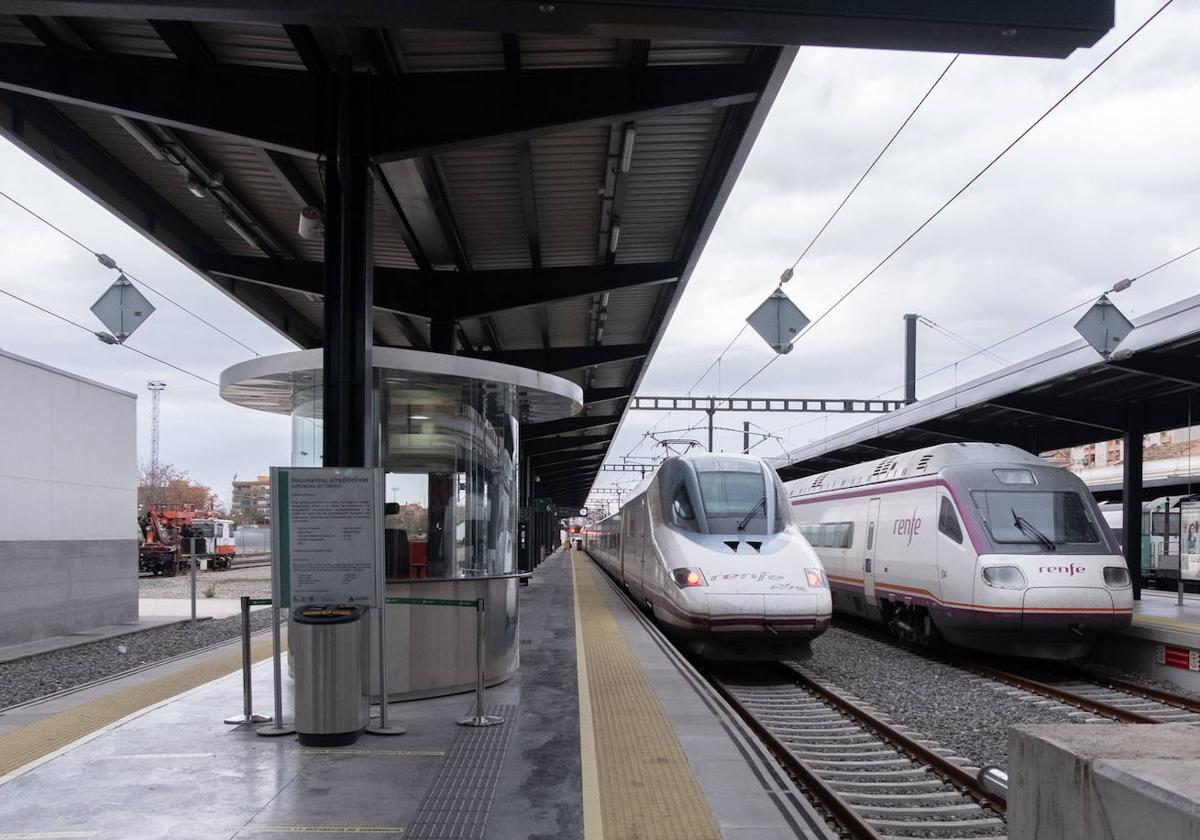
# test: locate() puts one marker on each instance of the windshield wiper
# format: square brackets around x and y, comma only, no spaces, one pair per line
[1026,527]
[750,515]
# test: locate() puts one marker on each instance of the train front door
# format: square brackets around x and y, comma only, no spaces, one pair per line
[868,567]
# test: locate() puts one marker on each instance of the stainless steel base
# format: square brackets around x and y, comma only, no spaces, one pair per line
[238,720]
[276,731]
[481,720]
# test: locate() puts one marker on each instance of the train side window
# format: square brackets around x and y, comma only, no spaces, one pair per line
[681,510]
[847,534]
[870,535]
[948,521]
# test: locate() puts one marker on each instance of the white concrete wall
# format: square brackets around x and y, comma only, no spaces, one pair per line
[68,497]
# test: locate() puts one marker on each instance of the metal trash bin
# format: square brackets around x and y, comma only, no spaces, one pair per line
[330,646]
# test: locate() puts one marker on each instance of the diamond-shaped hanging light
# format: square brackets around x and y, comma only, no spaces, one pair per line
[122,308]
[778,321]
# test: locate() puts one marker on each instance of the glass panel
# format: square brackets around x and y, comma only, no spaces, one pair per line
[1034,517]
[729,495]
[948,521]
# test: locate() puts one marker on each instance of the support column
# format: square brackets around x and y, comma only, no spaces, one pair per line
[746,437]
[910,358]
[711,412]
[349,284]
[1131,496]
[441,336]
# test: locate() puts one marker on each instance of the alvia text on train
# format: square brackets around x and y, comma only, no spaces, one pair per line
[984,545]
[709,547]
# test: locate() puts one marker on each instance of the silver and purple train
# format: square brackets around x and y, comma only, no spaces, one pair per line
[985,545]
[709,547]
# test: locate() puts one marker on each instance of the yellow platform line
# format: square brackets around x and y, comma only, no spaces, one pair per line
[1181,624]
[54,732]
[644,785]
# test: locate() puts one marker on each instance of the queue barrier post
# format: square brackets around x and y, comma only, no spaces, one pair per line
[247,715]
[478,718]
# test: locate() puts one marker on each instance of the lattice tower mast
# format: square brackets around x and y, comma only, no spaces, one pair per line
[156,386]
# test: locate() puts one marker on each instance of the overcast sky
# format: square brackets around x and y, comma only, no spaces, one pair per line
[1107,187]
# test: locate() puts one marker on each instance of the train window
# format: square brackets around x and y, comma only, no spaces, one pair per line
[870,535]
[847,534]
[681,510]
[1035,516]
[948,521]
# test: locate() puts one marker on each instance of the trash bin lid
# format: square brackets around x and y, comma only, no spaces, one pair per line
[328,614]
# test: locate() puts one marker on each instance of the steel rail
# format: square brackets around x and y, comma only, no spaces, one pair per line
[1189,704]
[848,818]
[1096,707]
[950,771]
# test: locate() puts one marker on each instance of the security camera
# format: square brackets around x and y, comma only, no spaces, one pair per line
[312,226]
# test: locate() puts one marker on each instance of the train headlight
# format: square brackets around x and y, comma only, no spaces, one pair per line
[816,578]
[1116,577]
[688,577]
[1004,577]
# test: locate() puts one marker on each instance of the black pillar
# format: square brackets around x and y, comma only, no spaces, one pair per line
[348,441]
[910,358]
[746,436]
[441,336]
[1131,496]
[711,412]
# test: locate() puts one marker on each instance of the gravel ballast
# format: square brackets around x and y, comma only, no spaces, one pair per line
[961,711]
[46,673]
[231,583]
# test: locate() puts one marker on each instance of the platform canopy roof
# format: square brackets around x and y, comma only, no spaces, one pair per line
[1065,397]
[545,174]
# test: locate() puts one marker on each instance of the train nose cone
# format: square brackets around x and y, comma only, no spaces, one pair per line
[783,613]
[1056,607]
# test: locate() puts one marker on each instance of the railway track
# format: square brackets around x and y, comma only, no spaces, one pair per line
[877,781]
[1105,697]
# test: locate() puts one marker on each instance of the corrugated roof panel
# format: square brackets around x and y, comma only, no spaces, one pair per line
[518,329]
[258,189]
[669,158]
[568,172]
[130,37]
[696,52]
[264,45]
[485,198]
[12,31]
[438,50]
[310,306]
[389,248]
[556,51]
[388,331]
[570,321]
[614,375]
[629,314]
[159,176]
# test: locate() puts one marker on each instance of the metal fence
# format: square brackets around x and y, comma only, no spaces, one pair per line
[250,539]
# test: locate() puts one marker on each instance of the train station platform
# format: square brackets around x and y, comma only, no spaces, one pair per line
[608,733]
[1163,642]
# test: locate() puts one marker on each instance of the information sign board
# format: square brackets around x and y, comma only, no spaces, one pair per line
[326,534]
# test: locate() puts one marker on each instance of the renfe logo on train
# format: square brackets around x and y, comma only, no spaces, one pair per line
[1071,569]
[910,527]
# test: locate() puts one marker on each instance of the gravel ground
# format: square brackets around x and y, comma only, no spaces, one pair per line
[231,583]
[46,673]
[958,710]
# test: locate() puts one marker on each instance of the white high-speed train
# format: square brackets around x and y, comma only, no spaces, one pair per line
[986,545]
[708,545]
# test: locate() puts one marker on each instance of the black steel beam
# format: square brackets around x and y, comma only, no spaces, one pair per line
[489,106]
[451,293]
[1131,496]
[541,447]
[1084,412]
[1158,366]
[599,395]
[260,106]
[581,423]
[184,41]
[568,358]
[1015,27]
[283,168]
[544,460]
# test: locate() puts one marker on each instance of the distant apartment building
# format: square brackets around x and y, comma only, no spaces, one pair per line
[1173,455]
[251,502]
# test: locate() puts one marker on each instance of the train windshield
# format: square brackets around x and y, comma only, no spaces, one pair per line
[1037,517]
[734,495]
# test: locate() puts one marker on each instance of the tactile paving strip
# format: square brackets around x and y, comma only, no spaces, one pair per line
[457,804]
[646,785]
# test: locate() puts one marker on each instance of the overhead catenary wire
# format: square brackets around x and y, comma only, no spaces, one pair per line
[951,334]
[963,189]
[108,262]
[89,331]
[1116,287]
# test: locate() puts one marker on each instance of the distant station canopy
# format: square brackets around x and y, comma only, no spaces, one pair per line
[529,183]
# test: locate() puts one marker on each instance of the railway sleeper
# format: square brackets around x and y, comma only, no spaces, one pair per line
[857,786]
[920,813]
[934,828]
[933,796]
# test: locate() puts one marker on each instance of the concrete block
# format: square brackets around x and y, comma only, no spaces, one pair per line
[1119,782]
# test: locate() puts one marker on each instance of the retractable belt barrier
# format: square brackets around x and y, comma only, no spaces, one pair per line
[478,718]
[247,715]
[478,604]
